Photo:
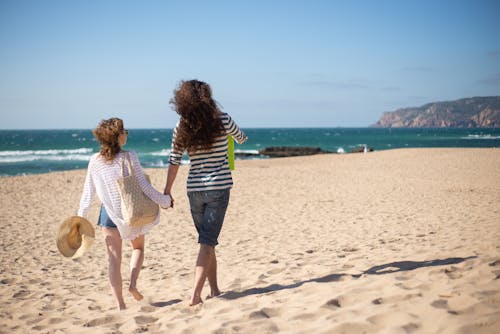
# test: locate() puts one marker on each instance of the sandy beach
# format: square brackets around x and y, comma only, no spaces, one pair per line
[399,241]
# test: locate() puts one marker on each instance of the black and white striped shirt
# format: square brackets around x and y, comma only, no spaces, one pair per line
[209,168]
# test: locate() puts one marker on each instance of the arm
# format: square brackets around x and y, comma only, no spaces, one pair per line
[87,194]
[147,188]
[172,173]
[235,131]
[174,160]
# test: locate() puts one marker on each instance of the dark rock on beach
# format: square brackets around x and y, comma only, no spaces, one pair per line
[361,149]
[290,151]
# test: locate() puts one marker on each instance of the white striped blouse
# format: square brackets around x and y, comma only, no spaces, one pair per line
[102,179]
[209,168]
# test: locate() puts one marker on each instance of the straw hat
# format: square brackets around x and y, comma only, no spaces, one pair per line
[75,236]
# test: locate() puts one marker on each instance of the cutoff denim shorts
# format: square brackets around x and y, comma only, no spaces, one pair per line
[104,219]
[208,209]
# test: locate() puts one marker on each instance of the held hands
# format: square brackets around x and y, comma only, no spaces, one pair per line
[171,205]
[165,192]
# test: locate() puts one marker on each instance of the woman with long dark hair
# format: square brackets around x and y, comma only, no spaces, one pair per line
[203,131]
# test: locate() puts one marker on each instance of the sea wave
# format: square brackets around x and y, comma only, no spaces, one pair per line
[45,152]
[162,153]
[28,158]
[246,152]
[166,152]
[80,154]
[486,137]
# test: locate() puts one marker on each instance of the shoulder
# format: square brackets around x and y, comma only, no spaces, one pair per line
[93,158]
[134,158]
[224,116]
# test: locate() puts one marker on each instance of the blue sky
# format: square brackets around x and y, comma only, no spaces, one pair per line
[69,64]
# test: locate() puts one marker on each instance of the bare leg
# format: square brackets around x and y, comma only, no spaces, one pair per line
[205,257]
[136,261]
[114,248]
[212,277]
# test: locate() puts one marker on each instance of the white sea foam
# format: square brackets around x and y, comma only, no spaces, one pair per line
[481,137]
[155,164]
[249,152]
[28,158]
[45,152]
[81,154]
[163,153]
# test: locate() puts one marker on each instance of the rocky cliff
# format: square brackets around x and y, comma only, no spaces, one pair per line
[474,112]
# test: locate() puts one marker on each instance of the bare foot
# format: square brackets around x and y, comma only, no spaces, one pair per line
[214,294]
[136,294]
[195,301]
[122,307]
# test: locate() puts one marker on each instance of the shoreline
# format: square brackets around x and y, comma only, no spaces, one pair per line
[390,241]
[281,157]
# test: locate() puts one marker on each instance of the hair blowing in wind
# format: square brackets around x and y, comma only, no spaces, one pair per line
[198,111]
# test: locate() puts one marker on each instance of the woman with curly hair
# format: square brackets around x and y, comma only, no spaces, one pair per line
[202,131]
[105,168]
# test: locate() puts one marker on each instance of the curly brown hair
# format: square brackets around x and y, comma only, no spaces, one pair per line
[107,133]
[199,122]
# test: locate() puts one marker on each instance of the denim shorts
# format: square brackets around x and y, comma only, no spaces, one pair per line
[208,209]
[104,219]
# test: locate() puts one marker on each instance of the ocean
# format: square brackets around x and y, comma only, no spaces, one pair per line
[41,151]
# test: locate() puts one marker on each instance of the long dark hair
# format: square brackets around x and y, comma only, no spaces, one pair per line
[199,123]
[107,133]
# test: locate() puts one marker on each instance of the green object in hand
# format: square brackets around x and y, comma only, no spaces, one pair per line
[230,152]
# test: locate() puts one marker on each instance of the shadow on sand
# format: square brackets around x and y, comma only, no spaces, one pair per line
[165,304]
[387,268]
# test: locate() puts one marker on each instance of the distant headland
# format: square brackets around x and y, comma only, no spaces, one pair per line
[473,112]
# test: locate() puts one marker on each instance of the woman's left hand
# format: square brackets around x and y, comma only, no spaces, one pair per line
[171,199]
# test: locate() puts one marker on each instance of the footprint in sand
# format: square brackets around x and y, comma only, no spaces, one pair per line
[275,271]
[452,272]
[148,309]
[494,263]
[411,327]
[259,315]
[36,319]
[496,273]
[440,303]
[396,298]
[396,318]
[21,294]
[94,308]
[7,281]
[332,304]
[305,317]
[54,321]
[341,301]
[48,307]
[144,320]
[485,325]
[100,321]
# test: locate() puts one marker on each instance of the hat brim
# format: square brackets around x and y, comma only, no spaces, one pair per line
[75,237]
